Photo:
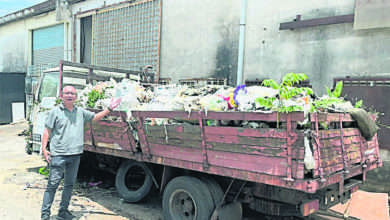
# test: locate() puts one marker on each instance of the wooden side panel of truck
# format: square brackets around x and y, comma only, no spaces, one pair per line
[271,156]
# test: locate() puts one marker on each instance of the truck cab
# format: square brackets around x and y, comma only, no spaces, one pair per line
[48,94]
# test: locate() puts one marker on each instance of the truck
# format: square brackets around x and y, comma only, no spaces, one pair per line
[211,170]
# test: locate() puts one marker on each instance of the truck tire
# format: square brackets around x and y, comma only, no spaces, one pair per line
[215,190]
[187,198]
[133,181]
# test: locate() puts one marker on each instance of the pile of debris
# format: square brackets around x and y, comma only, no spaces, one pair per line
[283,97]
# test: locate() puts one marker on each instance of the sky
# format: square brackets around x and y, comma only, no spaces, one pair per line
[9,6]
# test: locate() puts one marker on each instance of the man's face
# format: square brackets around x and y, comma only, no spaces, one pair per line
[69,95]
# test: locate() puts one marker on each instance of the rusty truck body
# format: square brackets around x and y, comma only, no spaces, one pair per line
[208,170]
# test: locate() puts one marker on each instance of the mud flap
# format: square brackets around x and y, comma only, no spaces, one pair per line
[231,211]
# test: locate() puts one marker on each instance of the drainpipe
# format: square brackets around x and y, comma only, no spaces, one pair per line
[241,45]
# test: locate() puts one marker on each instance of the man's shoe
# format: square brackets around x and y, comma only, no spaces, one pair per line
[65,215]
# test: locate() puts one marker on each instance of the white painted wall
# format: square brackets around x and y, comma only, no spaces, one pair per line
[12,47]
[16,40]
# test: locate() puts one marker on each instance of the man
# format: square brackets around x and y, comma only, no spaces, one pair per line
[65,127]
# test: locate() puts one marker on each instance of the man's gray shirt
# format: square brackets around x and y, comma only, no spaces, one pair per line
[67,129]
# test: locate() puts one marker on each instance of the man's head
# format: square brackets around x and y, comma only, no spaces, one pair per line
[69,95]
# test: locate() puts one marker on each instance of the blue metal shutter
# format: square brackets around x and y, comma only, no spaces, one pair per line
[48,45]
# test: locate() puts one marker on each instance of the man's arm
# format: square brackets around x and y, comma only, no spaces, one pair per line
[101,115]
[113,104]
[45,139]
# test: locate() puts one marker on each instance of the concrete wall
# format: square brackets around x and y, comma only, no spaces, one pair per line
[199,39]
[12,43]
[322,52]
[15,41]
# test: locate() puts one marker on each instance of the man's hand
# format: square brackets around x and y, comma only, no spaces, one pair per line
[115,103]
[47,155]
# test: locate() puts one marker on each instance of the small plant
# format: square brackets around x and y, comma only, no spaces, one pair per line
[337,90]
[359,104]
[93,97]
[58,101]
[286,90]
[331,99]
[267,103]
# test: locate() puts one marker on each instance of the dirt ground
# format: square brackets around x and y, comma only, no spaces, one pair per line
[22,189]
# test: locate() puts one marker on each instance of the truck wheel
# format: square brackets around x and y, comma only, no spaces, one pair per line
[215,190]
[187,198]
[133,181]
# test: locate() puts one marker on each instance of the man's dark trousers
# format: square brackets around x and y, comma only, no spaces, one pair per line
[60,166]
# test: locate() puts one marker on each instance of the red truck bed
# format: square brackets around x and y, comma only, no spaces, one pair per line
[273,156]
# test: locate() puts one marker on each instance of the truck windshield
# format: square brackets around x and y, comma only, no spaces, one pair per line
[49,85]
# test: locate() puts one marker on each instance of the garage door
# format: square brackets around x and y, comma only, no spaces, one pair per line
[11,91]
[48,45]
[373,92]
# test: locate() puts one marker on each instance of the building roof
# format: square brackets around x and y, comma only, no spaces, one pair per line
[43,7]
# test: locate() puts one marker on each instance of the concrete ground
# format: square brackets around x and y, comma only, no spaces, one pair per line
[22,190]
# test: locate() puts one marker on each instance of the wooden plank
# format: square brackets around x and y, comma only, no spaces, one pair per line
[331,133]
[175,135]
[244,140]
[298,169]
[333,165]
[254,116]
[354,155]
[167,114]
[178,153]
[256,163]
[329,162]
[184,128]
[329,152]
[332,169]
[329,170]
[247,132]
[334,117]
[175,142]
[336,141]
[297,153]
[249,149]
[117,142]
[348,147]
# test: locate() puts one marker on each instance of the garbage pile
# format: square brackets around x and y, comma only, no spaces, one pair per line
[283,97]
